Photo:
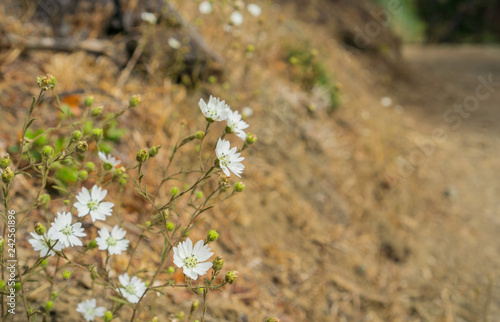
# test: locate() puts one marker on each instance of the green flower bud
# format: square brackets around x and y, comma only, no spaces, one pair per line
[107,166]
[90,166]
[212,236]
[96,111]
[194,305]
[108,316]
[7,175]
[89,100]
[170,226]
[96,133]
[17,286]
[92,244]
[76,135]
[273,319]
[66,202]
[66,274]
[153,151]
[46,82]
[44,263]
[251,138]
[123,180]
[180,315]
[224,183]
[170,270]
[148,223]
[82,147]
[174,191]
[40,229]
[218,263]
[49,305]
[142,156]
[134,100]
[5,161]
[2,284]
[231,276]
[2,244]
[155,319]
[45,199]
[118,172]
[54,295]
[47,151]
[199,195]
[82,175]
[239,186]
[199,134]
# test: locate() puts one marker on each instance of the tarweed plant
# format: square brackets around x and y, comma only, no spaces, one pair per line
[63,242]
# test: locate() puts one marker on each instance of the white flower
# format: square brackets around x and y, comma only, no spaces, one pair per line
[174,43]
[66,233]
[149,18]
[133,289]
[236,18]
[91,203]
[109,159]
[114,242]
[205,7]
[236,125]
[89,310]
[215,110]
[228,158]
[254,9]
[41,243]
[192,260]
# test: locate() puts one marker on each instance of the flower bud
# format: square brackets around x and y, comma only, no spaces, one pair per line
[54,295]
[239,186]
[148,223]
[76,135]
[251,138]
[96,111]
[40,229]
[218,263]
[82,146]
[66,274]
[273,319]
[82,175]
[92,244]
[44,263]
[199,195]
[212,236]
[17,286]
[47,151]
[118,172]
[5,161]
[46,82]
[134,100]
[153,151]
[2,244]
[231,276]
[90,166]
[7,175]
[194,305]
[123,180]
[89,100]
[170,270]
[142,156]
[199,134]
[66,202]
[2,284]
[170,226]
[49,305]
[224,183]
[108,316]
[174,191]
[96,133]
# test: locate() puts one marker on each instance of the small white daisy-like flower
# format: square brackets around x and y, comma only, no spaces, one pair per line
[92,203]
[205,7]
[64,232]
[254,9]
[149,18]
[236,125]
[133,288]
[236,18]
[109,159]
[45,245]
[174,43]
[90,310]
[192,259]
[228,158]
[113,242]
[215,110]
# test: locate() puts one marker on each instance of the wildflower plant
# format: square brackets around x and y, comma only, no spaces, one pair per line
[79,213]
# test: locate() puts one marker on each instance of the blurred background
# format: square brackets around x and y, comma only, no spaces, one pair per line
[372,192]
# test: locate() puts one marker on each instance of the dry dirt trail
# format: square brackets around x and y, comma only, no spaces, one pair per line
[462,171]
